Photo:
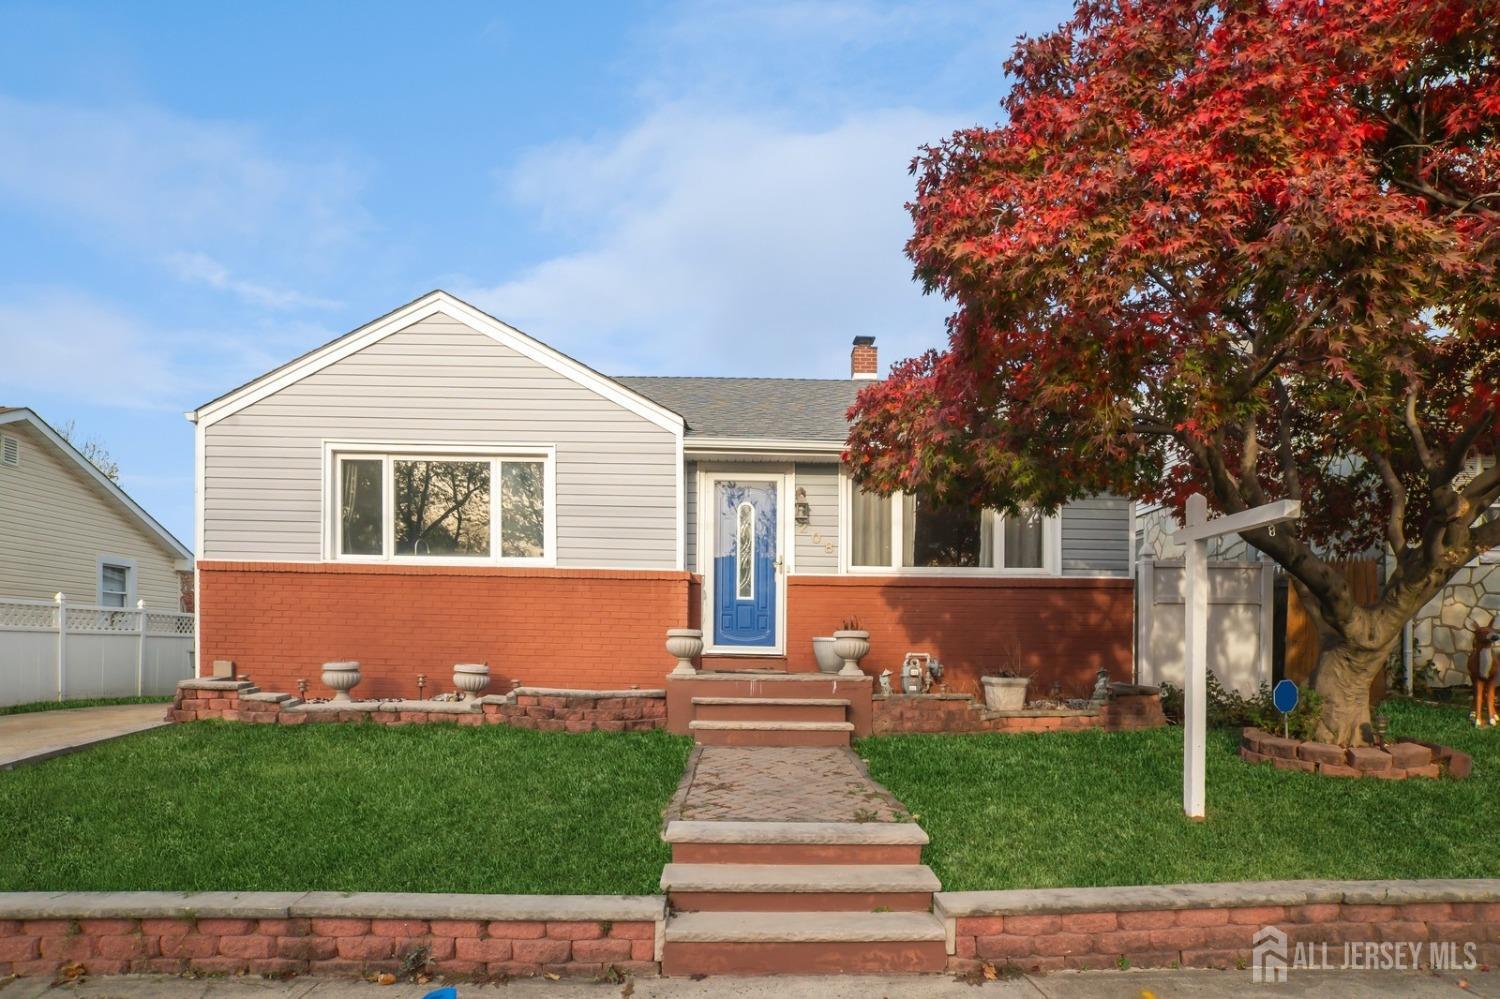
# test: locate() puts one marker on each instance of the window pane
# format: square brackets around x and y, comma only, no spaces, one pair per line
[522,509]
[360,517]
[744,553]
[871,530]
[948,537]
[442,507]
[115,585]
[1023,540]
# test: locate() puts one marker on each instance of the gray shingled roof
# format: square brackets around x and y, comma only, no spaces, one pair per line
[800,409]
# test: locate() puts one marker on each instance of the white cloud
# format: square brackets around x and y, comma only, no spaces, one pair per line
[61,345]
[141,177]
[723,244]
[200,268]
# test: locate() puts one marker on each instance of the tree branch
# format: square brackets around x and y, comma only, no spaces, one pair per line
[1395,524]
[1415,427]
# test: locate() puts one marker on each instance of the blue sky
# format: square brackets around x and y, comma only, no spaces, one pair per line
[193,193]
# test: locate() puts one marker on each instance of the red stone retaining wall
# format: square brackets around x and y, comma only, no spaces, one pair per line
[1057,628]
[1397,761]
[1138,930]
[457,948]
[897,713]
[575,628]
[544,710]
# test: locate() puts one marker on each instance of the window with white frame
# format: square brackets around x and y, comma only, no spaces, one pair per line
[114,585]
[913,533]
[457,507]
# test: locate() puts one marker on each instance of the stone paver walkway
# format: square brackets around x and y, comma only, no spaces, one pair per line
[783,784]
[41,735]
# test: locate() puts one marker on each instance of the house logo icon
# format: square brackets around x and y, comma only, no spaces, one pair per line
[1268,956]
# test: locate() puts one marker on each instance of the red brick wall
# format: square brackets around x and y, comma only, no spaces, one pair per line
[571,628]
[1062,629]
[1213,937]
[279,948]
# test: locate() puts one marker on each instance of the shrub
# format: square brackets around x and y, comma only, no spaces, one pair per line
[1228,708]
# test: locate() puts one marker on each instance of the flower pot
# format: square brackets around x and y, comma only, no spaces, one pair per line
[471,678]
[341,678]
[684,645]
[851,647]
[828,660]
[1005,693]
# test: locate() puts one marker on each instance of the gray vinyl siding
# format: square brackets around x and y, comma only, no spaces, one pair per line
[817,542]
[58,522]
[438,381]
[1096,537]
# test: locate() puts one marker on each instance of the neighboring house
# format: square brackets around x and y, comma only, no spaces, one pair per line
[1441,633]
[438,487]
[70,529]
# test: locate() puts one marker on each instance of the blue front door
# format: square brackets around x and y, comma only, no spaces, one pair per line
[745,541]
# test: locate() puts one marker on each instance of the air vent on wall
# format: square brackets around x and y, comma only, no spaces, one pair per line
[10,451]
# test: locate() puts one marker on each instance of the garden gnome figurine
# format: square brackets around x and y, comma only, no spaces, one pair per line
[885,682]
[1101,687]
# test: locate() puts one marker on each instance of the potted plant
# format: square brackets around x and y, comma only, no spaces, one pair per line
[1005,691]
[851,643]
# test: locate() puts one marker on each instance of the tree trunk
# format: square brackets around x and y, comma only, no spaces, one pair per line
[1343,678]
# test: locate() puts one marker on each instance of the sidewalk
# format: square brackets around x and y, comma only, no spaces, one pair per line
[1067,985]
[41,735]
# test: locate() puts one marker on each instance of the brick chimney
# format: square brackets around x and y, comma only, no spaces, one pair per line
[864,360]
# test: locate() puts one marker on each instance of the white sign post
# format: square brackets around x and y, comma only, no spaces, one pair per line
[1196,534]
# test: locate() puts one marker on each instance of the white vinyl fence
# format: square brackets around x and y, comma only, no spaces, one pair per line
[53,650]
[1241,619]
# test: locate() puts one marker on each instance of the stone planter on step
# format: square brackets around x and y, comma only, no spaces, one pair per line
[471,679]
[684,645]
[851,646]
[341,677]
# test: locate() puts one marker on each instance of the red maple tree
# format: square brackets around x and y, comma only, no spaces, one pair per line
[1242,248]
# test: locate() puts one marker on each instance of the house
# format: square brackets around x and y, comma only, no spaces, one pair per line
[438,487]
[70,529]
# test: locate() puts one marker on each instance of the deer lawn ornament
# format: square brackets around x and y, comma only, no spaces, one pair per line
[1484,665]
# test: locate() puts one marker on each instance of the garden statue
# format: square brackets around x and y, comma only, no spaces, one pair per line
[885,682]
[1101,687]
[1484,664]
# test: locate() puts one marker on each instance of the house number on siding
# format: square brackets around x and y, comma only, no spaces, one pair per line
[816,537]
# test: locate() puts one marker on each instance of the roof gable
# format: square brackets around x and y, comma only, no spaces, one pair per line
[435,303]
[20,414]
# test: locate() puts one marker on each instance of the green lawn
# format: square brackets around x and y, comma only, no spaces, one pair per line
[81,702]
[1096,808]
[428,808]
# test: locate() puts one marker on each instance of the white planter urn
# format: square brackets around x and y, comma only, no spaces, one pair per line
[851,646]
[341,678]
[824,655]
[684,645]
[1005,693]
[471,678]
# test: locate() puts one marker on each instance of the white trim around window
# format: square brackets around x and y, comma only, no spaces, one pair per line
[388,453]
[123,564]
[1051,544]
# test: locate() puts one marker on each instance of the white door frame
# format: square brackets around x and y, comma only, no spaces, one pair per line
[708,479]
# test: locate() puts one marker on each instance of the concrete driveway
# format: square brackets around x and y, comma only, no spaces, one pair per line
[41,735]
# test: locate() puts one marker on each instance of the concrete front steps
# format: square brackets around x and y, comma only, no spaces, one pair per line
[799,888]
[770,733]
[756,898]
[771,721]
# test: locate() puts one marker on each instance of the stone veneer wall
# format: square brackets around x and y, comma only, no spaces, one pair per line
[282,934]
[1212,925]
[1442,630]
[955,713]
[525,707]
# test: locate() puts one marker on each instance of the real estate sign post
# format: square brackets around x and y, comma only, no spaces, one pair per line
[1195,534]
